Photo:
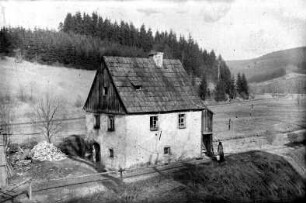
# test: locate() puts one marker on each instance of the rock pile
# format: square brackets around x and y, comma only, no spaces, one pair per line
[45,151]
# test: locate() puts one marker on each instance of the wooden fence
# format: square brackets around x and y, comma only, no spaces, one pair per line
[27,131]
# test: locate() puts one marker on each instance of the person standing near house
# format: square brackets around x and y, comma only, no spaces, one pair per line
[220,152]
[229,124]
[251,111]
[94,154]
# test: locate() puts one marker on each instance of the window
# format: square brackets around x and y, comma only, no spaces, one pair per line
[111,153]
[167,150]
[182,120]
[111,123]
[97,122]
[136,83]
[153,123]
[105,91]
[137,87]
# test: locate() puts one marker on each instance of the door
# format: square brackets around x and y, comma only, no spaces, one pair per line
[207,146]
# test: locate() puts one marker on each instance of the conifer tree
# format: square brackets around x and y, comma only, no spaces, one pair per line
[220,91]
[239,84]
[244,84]
[4,41]
[203,89]
[232,88]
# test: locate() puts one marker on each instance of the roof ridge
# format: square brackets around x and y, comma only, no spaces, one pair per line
[130,57]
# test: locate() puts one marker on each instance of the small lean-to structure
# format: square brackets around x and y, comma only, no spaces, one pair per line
[143,111]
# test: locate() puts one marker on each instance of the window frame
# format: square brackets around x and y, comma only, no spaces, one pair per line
[111,153]
[182,123]
[154,123]
[167,150]
[105,91]
[97,121]
[111,123]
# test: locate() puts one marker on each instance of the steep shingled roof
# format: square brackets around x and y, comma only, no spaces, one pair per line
[144,87]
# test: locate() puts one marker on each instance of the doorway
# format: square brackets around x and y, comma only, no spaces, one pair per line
[96,155]
[207,146]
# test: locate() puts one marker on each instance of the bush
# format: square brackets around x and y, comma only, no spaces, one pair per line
[12,148]
[29,145]
[74,145]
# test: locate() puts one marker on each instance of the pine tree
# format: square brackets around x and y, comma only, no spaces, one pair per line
[203,89]
[232,88]
[239,84]
[220,91]
[68,23]
[4,41]
[245,88]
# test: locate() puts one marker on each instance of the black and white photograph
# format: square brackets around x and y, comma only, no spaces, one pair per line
[149,101]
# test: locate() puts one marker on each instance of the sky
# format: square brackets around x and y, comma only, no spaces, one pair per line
[236,29]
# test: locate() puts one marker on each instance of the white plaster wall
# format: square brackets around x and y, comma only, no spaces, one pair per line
[144,146]
[135,145]
[115,139]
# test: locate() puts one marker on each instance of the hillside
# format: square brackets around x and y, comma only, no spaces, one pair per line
[21,81]
[272,65]
[292,83]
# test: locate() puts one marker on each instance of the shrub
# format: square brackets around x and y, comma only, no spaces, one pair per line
[29,145]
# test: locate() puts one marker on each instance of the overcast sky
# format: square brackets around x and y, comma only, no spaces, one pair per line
[237,29]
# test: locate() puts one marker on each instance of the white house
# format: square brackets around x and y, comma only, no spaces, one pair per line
[143,111]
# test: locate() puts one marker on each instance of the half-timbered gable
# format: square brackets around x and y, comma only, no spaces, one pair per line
[103,96]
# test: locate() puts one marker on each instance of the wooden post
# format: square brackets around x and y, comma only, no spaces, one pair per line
[3,168]
[30,191]
[121,176]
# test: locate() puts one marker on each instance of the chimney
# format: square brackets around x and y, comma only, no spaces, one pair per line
[157,57]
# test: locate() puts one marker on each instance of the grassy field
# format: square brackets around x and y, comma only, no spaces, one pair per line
[277,115]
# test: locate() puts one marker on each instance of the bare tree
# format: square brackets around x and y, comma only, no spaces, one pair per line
[47,113]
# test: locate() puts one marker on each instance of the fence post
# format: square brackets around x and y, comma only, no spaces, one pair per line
[3,163]
[30,191]
[121,176]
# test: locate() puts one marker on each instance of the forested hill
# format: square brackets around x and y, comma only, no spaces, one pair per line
[196,60]
[83,39]
[272,65]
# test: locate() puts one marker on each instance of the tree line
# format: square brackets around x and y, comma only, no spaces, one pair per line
[225,89]
[83,39]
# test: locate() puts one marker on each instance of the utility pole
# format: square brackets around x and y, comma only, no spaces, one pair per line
[218,71]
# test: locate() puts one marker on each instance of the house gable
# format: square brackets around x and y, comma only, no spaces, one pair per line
[103,96]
